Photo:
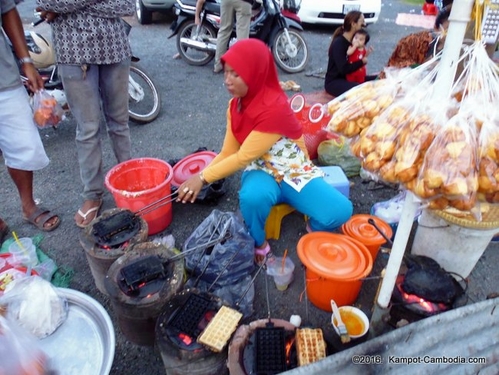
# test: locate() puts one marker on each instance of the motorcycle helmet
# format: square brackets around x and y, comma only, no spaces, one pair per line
[40,50]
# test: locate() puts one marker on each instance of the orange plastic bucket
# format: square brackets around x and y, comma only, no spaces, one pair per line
[137,183]
[358,227]
[335,266]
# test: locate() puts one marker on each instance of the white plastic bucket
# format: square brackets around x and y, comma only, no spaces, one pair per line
[456,248]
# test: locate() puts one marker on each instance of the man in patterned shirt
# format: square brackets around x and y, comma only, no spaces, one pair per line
[93,55]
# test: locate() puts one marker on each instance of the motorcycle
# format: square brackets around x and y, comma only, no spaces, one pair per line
[144,102]
[197,44]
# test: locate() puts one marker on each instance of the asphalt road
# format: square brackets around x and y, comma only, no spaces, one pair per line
[194,103]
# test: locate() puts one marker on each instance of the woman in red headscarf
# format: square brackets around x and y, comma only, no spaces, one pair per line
[264,138]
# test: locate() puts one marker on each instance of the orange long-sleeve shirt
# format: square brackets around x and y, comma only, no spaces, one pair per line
[235,156]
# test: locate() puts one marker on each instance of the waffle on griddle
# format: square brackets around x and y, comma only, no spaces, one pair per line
[310,345]
[218,331]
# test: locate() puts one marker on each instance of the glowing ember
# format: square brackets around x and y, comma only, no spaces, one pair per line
[289,345]
[418,302]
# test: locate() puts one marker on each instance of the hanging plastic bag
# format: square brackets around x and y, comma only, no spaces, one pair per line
[35,305]
[226,250]
[20,353]
[356,109]
[47,111]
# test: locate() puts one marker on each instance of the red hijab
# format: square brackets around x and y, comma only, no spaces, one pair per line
[265,107]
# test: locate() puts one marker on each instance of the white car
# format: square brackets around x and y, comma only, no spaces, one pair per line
[332,12]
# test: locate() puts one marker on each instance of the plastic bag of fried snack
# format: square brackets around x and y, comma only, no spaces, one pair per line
[393,147]
[477,91]
[448,175]
[47,111]
[358,107]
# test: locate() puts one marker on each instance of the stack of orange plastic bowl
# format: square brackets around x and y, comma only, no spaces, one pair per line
[359,228]
[335,266]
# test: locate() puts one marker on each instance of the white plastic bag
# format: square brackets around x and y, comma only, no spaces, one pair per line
[34,303]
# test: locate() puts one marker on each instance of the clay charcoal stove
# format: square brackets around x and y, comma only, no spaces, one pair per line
[263,347]
[184,317]
[140,283]
[104,242]
[422,290]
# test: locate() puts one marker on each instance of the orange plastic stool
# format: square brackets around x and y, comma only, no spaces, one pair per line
[273,223]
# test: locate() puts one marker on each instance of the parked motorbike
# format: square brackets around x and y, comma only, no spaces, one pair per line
[196,44]
[144,102]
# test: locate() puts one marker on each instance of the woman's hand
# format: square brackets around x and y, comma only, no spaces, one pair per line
[369,50]
[47,15]
[190,189]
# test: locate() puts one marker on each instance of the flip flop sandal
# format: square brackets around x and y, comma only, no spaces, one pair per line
[263,253]
[40,217]
[89,212]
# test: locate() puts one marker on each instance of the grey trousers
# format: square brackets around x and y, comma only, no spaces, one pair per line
[228,9]
[102,90]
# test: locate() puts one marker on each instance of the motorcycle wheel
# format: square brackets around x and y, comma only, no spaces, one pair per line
[191,55]
[290,58]
[144,16]
[144,103]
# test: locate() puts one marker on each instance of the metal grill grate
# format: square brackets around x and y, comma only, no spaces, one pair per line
[186,319]
[270,350]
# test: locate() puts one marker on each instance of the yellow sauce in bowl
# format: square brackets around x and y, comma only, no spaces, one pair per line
[355,325]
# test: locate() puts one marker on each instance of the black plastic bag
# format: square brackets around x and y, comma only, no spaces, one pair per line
[226,250]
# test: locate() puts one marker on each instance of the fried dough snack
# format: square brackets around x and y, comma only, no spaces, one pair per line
[488,162]
[448,175]
[48,112]
[358,107]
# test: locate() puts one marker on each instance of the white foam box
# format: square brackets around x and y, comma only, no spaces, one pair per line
[335,176]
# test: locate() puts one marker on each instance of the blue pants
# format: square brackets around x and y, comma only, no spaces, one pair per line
[325,206]
[106,86]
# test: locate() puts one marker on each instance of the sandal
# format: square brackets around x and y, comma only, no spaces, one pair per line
[42,216]
[261,254]
[85,215]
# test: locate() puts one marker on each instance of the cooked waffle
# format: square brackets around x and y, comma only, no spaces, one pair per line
[218,331]
[310,345]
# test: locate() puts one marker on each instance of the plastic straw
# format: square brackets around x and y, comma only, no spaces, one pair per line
[284,260]
[19,243]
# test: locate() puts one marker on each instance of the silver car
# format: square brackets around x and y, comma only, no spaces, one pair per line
[145,8]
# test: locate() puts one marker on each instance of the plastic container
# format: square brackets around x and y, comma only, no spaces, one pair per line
[24,255]
[137,183]
[282,275]
[335,266]
[191,165]
[335,177]
[455,248]
[358,228]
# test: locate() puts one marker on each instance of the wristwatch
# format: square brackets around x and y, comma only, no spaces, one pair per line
[26,60]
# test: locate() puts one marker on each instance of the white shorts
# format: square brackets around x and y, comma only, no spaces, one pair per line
[20,141]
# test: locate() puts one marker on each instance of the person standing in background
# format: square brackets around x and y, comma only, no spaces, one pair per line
[93,55]
[241,10]
[20,141]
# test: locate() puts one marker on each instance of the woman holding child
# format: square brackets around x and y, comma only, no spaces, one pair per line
[338,66]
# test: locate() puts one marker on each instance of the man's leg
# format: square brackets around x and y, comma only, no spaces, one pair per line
[243,19]
[82,92]
[114,91]
[24,183]
[226,26]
